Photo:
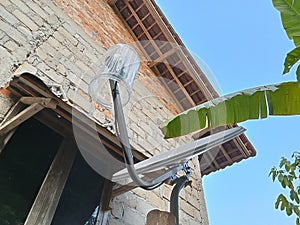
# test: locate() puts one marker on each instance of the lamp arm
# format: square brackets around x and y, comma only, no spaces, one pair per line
[123,137]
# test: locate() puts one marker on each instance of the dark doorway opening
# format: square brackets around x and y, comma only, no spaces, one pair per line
[26,165]
[23,165]
[81,195]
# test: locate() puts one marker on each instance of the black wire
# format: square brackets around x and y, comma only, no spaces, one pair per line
[153,187]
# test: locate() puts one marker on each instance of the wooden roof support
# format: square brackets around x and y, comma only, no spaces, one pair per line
[143,27]
[20,118]
[36,104]
[11,113]
[171,93]
[123,189]
[213,160]
[44,206]
[45,102]
[163,57]
[180,85]
[244,151]
[27,85]
[225,154]
[104,208]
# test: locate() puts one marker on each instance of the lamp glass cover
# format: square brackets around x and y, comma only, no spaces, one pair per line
[121,63]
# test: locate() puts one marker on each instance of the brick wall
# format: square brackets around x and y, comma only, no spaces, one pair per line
[6,101]
[61,42]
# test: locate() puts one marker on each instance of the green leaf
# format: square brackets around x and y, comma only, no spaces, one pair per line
[274,176]
[284,183]
[291,59]
[280,178]
[254,103]
[290,16]
[297,221]
[298,74]
[282,162]
[296,210]
[293,168]
[289,210]
[297,199]
[294,196]
[287,176]
[273,173]
[281,199]
[283,206]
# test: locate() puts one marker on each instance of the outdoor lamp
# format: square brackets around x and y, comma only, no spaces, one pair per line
[114,84]
[121,63]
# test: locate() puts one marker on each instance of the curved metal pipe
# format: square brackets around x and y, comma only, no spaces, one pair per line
[123,136]
[181,183]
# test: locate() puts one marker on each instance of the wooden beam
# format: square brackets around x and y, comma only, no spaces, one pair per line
[104,208]
[210,161]
[238,142]
[170,37]
[163,81]
[10,114]
[14,117]
[145,30]
[226,155]
[162,57]
[180,85]
[188,83]
[74,116]
[46,102]
[111,2]
[20,118]
[138,8]
[45,204]
[123,189]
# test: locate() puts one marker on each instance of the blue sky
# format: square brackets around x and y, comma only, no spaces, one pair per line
[244,44]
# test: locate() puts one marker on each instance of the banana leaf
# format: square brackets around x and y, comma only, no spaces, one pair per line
[290,17]
[254,103]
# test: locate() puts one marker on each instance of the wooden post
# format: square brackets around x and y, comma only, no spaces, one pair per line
[45,204]
[104,204]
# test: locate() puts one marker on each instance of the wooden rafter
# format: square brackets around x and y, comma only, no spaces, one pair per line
[180,85]
[36,104]
[45,102]
[143,27]
[171,93]
[25,84]
[163,57]
[10,114]
[225,154]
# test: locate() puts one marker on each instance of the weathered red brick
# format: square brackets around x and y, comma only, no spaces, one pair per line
[4,92]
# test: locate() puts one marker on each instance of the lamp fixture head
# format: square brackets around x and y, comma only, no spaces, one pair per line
[121,64]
